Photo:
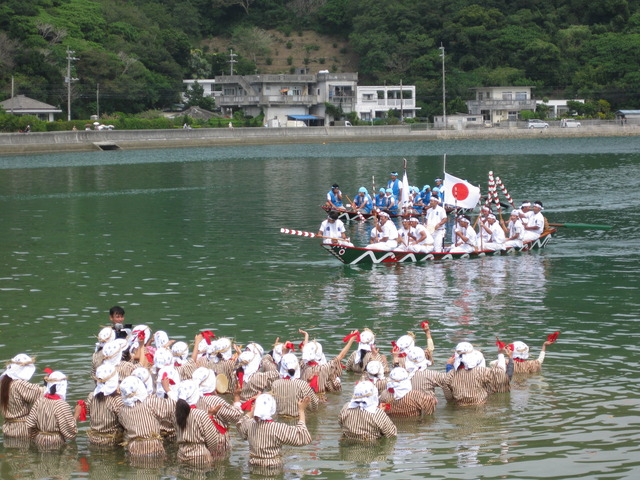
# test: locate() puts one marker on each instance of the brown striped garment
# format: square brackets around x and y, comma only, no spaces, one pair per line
[427,381]
[141,424]
[124,369]
[266,439]
[328,375]
[288,392]
[268,364]
[186,369]
[199,442]
[352,366]
[358,424]
[166,411]
[103,415]
[472,387]
[51,423]
[96,361]
[258,382]
[413,404]
[225,417]
[227,368]
[22,396]
[528,366]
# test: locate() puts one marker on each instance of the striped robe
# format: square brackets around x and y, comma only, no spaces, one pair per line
[288,392]
[266,439]
[227,368]
[472,387]
[258,382]
[413,404]
[352,366]
[427,381]
[328,375]
[142,427]
[51,423]
[199,441]
[226,416]
[358,424]
[380,384]
[22,395]
[103,415]
[529,366]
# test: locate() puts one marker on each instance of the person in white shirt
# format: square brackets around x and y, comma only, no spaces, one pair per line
[403,236]
[384,235]
[535,225]
[420,240]
[464,237]
[435,220]
[491,234]
[333,230]
[513,231]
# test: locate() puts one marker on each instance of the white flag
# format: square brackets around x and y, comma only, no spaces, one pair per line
[459,193]
[405,204]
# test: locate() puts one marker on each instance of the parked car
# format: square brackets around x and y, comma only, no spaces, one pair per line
[537,123]
[569,123]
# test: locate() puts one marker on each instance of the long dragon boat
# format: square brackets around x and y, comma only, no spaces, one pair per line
[364,256]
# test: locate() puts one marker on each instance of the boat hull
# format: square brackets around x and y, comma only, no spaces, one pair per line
[363,256]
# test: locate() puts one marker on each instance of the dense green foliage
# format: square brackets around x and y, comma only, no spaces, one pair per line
[133,54]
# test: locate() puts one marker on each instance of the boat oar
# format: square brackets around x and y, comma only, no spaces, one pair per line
[586,226]
[302,233]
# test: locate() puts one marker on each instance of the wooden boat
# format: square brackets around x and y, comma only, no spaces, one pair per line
[363,256]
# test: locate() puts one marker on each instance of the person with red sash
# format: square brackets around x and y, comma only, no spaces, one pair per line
[267,437]
[227,414]
[50,420]
[289,389]
[199,441]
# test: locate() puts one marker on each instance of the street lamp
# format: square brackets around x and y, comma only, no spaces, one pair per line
[444,96]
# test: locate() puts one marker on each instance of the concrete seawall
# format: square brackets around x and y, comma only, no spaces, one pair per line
[89,140]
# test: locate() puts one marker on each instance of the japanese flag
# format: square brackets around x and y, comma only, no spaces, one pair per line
[459,192]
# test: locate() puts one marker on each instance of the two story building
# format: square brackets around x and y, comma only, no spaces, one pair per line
[501,104]
[375,101]
[302,97]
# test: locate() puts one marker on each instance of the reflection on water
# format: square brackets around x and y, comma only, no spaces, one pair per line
[189,240]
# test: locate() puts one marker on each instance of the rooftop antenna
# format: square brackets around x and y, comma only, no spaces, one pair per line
[232,60]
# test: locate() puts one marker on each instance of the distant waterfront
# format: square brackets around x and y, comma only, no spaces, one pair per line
[84,141]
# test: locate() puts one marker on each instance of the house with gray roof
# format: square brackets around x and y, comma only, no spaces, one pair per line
[22,105]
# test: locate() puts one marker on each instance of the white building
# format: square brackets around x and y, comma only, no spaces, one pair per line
[501,104]
[557,108]
[302,97]
[376,101]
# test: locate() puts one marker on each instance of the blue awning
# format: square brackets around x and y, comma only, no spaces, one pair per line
[303,117]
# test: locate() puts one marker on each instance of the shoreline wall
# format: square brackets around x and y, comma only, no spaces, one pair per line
[90,140]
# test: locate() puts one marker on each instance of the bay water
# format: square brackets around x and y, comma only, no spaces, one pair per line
[189,239]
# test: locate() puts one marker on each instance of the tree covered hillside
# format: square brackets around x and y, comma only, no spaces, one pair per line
[135,53]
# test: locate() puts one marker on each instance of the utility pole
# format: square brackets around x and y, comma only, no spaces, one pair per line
[444,95]
[232,60]
[98,100]
[68,79]
[401,106]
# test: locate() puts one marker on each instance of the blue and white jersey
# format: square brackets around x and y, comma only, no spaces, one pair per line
[334,198]
[364,203]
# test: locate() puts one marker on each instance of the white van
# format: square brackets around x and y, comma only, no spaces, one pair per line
[569,123]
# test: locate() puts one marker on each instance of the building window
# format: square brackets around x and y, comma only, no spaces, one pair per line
[512,116]
[521,95]
[507,96]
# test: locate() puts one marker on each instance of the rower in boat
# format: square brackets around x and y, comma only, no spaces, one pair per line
[491,236]
[513,231]
[384,235]
[333,231]
[464,236]
[436,219]
[362,202]
[334,197]
[535,224]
